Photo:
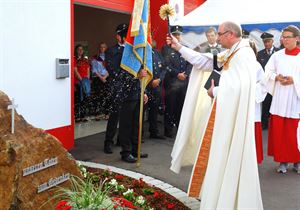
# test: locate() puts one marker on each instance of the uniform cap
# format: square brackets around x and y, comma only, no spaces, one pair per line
[122,29]
[176,29]
[245,33]
[265,36]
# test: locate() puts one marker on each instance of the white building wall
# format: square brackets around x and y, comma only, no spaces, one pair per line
[33,34]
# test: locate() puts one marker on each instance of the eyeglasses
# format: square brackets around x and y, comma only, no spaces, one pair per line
[221,34]
[287,37]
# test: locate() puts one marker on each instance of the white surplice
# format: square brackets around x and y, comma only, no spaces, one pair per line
[286,101]
[231,180]
[260,91]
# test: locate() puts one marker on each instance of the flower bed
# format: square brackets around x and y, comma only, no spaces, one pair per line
[106,190]
[154,197]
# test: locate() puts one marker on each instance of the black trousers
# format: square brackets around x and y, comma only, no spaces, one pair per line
[265,113]
[111,127]
[175,96]
[153,107]
[129,127]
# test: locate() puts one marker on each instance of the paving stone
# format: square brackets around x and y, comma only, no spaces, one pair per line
[164,186]
[156,182]
[173,190]
[179,195]
[194,206]
[148,179]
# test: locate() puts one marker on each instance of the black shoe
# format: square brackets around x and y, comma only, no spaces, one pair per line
[108,149]
[156,136]
[142,155]
[129,159]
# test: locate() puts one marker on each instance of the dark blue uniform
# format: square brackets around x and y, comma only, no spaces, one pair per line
[124,104]
[175,88]
[263,56]
[154,93]
[113,59]
[129,115]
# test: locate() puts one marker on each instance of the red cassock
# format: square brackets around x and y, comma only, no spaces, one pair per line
[282,141]
[258,142]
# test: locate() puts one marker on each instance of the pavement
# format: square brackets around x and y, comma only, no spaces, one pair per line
[279,191]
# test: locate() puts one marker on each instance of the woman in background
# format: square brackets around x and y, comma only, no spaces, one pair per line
[99,85]
[82,84]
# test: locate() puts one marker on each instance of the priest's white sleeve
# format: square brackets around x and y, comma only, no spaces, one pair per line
[270,75]
[261,90]
[198,60]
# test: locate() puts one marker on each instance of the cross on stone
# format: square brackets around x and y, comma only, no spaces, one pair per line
[13,106]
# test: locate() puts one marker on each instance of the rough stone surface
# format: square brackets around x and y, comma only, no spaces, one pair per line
[26,147]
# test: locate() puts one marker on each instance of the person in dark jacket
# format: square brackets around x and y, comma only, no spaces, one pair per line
[113,60]
[154,92]
[263,57]
[176,82]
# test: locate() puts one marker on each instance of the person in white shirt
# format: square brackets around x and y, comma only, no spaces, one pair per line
[283,80]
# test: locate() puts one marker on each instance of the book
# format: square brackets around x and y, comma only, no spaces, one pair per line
[215,75]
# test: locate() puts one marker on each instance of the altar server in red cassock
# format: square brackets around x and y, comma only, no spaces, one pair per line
[260,95]
[283,80]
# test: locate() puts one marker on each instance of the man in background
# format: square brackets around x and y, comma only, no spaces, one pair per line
[211,44]
[154,92]
[263,57]
[113,59]
[176,82]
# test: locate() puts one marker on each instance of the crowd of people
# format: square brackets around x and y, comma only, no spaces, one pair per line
[104,90]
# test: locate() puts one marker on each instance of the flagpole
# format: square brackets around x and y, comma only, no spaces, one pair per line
[143,84]
[143,87]
[136,59]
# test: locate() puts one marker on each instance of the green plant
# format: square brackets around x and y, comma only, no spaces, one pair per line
[83,194]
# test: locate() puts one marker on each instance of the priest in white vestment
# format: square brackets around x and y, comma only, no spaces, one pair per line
[283,77]
[231,180]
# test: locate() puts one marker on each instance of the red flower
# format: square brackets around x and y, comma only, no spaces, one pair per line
[170,205]
[139,183]
[156,194]
[119,177]
[63,205]
[125,203]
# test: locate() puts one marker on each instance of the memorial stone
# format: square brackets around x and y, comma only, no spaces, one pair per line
[32,163]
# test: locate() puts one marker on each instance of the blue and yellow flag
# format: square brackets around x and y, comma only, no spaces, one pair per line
[138,50]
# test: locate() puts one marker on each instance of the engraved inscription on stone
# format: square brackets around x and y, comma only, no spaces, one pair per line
[40,166]
[53,182]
